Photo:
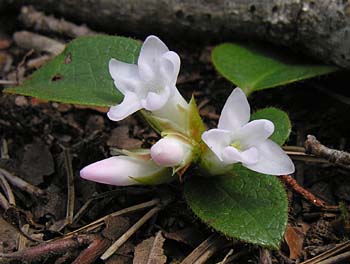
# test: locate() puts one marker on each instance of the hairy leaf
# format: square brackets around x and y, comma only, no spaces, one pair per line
[248,206]
[281,121]
[80,75]
[255,68]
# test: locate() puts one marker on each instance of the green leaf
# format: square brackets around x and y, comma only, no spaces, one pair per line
[80,75]
[247,205]
[281,121]
[255,68]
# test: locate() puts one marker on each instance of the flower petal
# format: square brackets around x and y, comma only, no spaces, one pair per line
[217,140]
[172,109]
[128,106]
[232,155]
[151,51]
[254,133]
[250,156]
[236,111]
[272,160]
[155,101]
[125,75]
[170,67]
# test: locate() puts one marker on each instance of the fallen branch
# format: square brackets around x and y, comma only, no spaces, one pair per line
[337,259]
[117,244]
[289,180]
[45,250]
[38,21]
[7,190]
[99,222]
[29,40]
[329,253]
[70,186]
[3,202]
[22,184]
[313,146]
[318,28]
[93,251]
[206,249]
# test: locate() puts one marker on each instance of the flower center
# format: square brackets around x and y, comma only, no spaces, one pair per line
[155,87]
[236,144]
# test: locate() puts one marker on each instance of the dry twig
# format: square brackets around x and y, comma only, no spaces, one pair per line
[298,153]
[70,186]
[327,254]
[206,249]
[48,249]
[3,202]
[313,146]
[38,62]
[224,261]
[238,255]
[22,240]
[116,245]
[7,189]
[101,221]
[93,251]
[94,197]
[40,22]
[302,191]
[4,148]
[337,259]
[7,82]
[22,184]
[29,40]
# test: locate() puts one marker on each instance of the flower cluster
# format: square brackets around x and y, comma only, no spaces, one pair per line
[150,86]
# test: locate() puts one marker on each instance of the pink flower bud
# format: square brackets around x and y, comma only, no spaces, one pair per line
[170,152]
[125,170]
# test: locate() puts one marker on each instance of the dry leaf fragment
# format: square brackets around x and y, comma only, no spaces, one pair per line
[8,236]
[188,236]
[37,162]
[150,251]
[115,227]
[294,238]
[120,139]
[5,43]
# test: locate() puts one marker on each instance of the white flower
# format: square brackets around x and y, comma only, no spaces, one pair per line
[171,151]
[150,85]
[236,140]
[125,170]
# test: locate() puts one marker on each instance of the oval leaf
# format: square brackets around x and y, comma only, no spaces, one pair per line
[79,75]
[247,205]
[252,68]
[281,121]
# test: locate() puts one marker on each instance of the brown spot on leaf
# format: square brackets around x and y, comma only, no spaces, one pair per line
[57,77]
[68,58]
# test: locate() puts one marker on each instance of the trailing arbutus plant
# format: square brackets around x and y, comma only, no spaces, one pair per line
[235,190]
